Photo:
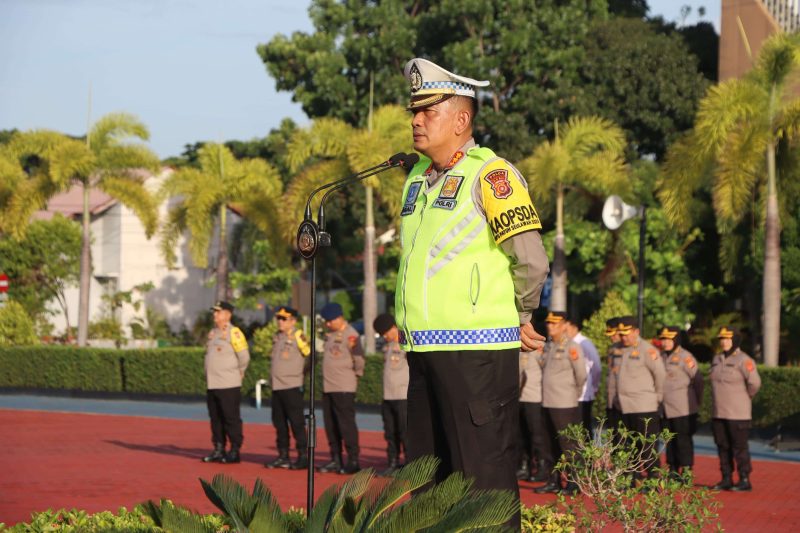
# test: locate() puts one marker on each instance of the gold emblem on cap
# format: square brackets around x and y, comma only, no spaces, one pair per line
[416,78]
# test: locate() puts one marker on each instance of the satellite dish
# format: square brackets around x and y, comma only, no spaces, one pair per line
[615,212]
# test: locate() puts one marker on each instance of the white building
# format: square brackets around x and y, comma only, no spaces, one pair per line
[123,257]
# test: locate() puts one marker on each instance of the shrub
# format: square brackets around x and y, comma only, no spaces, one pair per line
[16,327]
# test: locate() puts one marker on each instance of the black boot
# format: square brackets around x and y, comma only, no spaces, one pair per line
[725,484]
[553,485]
[391,466]
[352,465]
[333,466]
[232,457]
[524,471]
[281,462]
[744,484]
[302,461]
[217,455]
[541,473]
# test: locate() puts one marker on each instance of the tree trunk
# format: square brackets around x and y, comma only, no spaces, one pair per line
[558,298]
[222,256]
[370,296]
[86,270]
[772,267]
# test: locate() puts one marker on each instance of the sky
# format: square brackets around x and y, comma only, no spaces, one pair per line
[187,68]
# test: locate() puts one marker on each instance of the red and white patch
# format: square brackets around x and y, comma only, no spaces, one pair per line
[501,187]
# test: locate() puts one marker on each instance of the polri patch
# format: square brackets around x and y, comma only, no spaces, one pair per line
[448,193]
[411,198]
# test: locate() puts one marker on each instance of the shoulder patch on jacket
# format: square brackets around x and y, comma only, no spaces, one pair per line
[689,362]
[573,354]
[653,353]
[238,341]
[302,343]
[749,365]
[508,206]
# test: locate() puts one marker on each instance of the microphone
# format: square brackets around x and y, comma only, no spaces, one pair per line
[392,161]
[407,161]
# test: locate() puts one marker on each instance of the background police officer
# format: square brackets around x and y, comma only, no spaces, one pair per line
[225,362]
[342,365]
[639,385]
[593,372]
[734,383]
[563,377]
[683,394]
[535,442]
[472,269]
[395,391]
[289,351]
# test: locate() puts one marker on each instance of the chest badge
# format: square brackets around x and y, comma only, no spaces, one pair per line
[411,198]
[448,193]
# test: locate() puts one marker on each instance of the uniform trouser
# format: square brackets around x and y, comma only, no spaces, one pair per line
[287,408]
[339,415]
[463,407]
[680,450]
[558,418]
[730,436]
[586,415]
[395,419]
[647,424]
[226,419]
[533,425]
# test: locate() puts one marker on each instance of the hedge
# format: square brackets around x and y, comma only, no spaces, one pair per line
[179,371]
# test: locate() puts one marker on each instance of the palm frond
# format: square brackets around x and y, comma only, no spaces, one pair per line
[115,128]
[390,192]
[481,510]
[268,517]
[129,156]
[325,138]
[218,164]
[26,199]
[134,195]
[583,136]
[547,166]
[174,518]
[778,59]
[231,498]
[602,172]
[255,176]
[788,122]
[321,512]
[739,166]
[410,478]
[342,512]
[727,108]
[684,171]
[171,233]
[425,509]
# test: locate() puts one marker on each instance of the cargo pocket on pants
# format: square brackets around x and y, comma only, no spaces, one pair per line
[493,429]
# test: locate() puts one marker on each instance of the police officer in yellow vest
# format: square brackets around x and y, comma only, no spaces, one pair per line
[225,362]
[563,378]
[734,383]
[639,384]
[471,271]
[342,365]
[289,351]
[683,394]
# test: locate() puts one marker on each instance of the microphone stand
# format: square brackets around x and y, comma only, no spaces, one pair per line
[310,237]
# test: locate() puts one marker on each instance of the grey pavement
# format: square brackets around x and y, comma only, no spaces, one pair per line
[196,410]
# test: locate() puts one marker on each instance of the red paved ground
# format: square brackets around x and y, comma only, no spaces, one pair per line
[101,462]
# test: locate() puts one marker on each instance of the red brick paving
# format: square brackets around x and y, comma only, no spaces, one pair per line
[102,462]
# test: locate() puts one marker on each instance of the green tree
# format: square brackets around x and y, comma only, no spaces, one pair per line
[43,265]
[646,82]
[530,51]
[587,155]
[741,126]
[45,163]
[331,147]
[204,195]
[16,327]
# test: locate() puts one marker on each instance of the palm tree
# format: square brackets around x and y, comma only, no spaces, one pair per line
[105,161]
[740,126]
[251,186]
[586,155]
[330,148]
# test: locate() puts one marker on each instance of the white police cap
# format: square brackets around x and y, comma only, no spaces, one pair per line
[431,84]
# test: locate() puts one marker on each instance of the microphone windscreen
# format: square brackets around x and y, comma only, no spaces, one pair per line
[410,160]
[397,159]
